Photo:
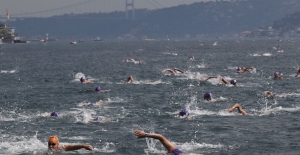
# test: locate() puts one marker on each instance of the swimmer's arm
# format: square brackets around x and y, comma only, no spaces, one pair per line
[164,71]
[239,107]
[224,80]
[170,70]
[210,78]
[77,147]
[181,71]
[167,144]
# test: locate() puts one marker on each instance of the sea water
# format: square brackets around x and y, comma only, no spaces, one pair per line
[38,78]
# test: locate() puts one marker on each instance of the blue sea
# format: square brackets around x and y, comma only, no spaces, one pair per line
[38,78]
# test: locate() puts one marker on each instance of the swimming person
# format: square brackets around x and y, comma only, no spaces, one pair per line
[179,70]
[54,145]
[139,60]
[192,58]
[244,69]
[277,76]
[237,106]
[129,59]
[169,70]
[298,73]
[83,80]
[54,114]
[129,80]
[232,81]
[185,113]
[268,93]
[173,72]
[166,143]
[207,96]
[98,89]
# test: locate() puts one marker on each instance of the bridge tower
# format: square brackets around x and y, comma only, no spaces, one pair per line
[128,4]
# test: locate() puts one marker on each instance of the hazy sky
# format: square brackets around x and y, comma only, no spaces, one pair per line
[45,8]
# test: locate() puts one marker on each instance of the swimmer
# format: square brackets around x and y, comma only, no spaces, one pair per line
[54,114]
[169,70]
[97,119]
[278,39]
[268,93]
[244,69]
[207,96]
[179,70]
[277,76]
[239,107]
[166,143]
[185,113]
[98,89]
[129,59]
[192,58]
[232,82]
[83,80]
[129,80]
[54,145]
[139,60]
[298,73]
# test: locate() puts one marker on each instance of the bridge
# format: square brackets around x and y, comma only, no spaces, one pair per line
[86,6]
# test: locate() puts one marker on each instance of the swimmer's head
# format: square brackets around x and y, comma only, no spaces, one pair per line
[82,79]
[97,88]
[238,69]
[184,113]
[53,143]
[207,96]
[54,114]
[53,139]
[96,119]
[276,73]
[233,82]
[177,151]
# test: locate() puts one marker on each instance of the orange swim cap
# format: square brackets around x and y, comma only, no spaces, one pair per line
[53,139]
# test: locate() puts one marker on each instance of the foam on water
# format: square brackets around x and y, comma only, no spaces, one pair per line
[8,71]
[108,147]
[154,146]
[22,144]
[170,53]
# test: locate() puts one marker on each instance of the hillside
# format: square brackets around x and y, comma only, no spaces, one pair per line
[288,23]
[210,18]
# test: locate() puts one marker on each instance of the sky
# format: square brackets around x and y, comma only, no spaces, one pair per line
[47,8]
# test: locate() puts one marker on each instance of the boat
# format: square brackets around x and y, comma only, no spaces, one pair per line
[97,39]
[43,40]
[73,42]
[19,40]
[7,33]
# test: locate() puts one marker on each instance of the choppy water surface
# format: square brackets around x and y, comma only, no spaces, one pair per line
[38,78]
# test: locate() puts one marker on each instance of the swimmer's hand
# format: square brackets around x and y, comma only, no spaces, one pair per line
[88,147]
[139,134]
